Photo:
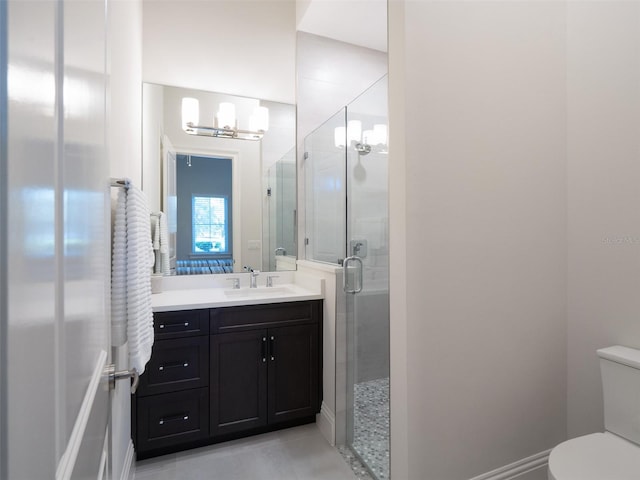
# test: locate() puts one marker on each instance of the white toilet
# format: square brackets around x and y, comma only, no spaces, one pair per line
[615,454]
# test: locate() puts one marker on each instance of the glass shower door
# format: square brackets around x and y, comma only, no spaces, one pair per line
[366,280]
[346,207]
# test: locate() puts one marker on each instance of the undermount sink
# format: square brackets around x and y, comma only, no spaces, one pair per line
[258,292]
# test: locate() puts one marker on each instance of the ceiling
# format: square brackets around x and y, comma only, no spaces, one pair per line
[359,22]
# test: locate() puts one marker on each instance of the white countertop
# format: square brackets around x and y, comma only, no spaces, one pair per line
[193,298]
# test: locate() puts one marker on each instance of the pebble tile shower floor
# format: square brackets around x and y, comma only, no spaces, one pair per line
[371,429]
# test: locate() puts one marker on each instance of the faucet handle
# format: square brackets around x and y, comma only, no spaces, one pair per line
[236,282]
[270,280]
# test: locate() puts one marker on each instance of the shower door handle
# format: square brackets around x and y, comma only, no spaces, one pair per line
[345,273]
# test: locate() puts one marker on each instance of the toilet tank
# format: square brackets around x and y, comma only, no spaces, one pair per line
[620,368]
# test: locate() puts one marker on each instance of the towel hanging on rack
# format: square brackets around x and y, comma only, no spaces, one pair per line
[131,314]
[159,234]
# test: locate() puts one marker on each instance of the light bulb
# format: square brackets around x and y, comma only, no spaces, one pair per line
[190,112]
[380,132]
[227,115]
[260,119]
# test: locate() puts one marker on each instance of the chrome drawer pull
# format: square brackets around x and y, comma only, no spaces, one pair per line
[177,418]
[173,325]
[173,365]
[272,348]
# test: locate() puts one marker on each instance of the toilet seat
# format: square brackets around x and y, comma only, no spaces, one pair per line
[599,456]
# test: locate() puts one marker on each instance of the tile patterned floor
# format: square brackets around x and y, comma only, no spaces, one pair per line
[371,425]
[358,468]
[299,453]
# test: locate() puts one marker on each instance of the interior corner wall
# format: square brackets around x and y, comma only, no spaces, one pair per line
[484,196]
[222,46]
[398,267]
[603,196]
[125,159]
[152,133]
[331,74]
[125,82]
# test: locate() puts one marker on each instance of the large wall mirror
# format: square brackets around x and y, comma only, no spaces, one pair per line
[226,186]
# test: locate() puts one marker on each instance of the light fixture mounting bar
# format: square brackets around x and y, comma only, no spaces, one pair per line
[236,133]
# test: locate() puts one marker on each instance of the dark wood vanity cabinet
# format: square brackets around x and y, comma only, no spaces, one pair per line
[171,406]
[265,370]
[228,372]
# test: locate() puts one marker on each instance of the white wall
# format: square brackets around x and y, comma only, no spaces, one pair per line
[333,378]
[362,23]
[125,150]
[152,132]
[222,46]
[604,218]
[125,81]
[478,209]
[330,75]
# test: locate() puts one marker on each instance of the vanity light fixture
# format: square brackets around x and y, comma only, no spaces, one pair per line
[225,123]
[362,141]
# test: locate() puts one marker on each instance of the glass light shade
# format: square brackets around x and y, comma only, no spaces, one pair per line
[340,136]
[260,119]
[354,131]
[380,132]
[227,115]
[190,111]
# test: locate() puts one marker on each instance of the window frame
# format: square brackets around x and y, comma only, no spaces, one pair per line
[224,252]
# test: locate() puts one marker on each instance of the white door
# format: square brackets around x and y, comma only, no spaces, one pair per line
[54,240]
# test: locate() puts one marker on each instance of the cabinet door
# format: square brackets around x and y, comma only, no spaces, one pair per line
[293,372]
[238,381]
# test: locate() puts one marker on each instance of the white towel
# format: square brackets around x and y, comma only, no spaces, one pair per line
[164,244]
[159,233]
[132,317]
[155,230]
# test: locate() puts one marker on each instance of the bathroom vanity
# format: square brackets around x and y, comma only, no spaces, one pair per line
[229,371]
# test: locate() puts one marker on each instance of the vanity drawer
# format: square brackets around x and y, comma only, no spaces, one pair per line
[176,364]
[181,324]
[172,419]
[236,319]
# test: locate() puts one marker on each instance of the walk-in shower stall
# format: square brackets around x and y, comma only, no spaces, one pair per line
[346,192]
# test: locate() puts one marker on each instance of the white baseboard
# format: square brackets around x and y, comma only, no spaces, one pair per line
[326,421]
[128,473]
[519,468]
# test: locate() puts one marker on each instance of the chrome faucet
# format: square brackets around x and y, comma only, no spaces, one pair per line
[254,277]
